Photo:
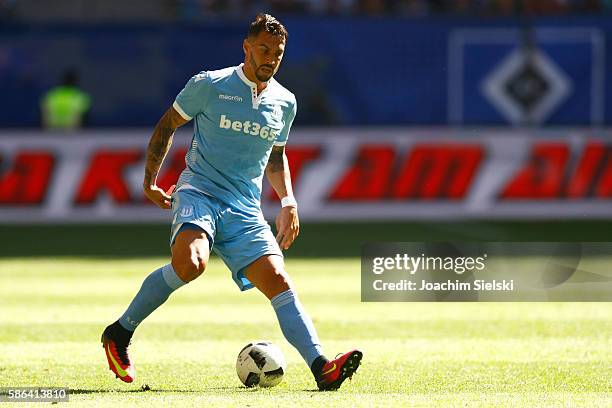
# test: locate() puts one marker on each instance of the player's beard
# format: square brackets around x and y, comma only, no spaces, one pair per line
[262,76]
[259,74]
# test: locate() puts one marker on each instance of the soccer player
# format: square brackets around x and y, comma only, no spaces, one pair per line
[242,117]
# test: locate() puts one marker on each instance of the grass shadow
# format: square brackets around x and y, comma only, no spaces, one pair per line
[146,388]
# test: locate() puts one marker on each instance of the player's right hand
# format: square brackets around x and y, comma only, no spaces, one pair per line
[159,197]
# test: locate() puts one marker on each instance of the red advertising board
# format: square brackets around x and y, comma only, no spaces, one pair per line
[348,174]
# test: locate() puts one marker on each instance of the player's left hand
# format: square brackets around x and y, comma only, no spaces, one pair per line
[287,226]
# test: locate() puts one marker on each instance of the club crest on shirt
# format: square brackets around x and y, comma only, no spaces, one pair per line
[186,211]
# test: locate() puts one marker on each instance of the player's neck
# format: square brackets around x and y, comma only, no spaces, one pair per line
[251,77]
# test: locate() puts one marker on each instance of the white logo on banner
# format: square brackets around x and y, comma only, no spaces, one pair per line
[526,87]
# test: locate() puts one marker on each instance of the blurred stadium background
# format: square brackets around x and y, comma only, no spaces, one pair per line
[417,119]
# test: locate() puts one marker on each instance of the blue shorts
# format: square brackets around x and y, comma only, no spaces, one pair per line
[239,238]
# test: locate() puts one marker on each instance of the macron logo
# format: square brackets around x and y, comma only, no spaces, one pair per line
[248,128]
[230,98]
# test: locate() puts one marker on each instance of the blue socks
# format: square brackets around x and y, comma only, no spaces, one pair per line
[294,322]
[154,291]
[297,326]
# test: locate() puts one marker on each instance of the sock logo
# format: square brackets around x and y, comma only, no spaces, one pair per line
[248,128]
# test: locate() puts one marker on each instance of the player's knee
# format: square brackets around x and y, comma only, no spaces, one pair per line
[189,267]
[279,279]
[190,255]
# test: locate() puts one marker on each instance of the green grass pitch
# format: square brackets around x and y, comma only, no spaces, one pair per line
[53,310]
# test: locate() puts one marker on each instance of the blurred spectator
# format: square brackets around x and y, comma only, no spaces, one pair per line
[7,9]
[196,10]
[503,7]
[545,7]
[288,6]
[465,7]
[413,7]
[332,7]
[65,106]
[373,7]
[588,6]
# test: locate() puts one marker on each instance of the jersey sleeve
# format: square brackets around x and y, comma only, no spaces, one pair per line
[281,140]
[194,96]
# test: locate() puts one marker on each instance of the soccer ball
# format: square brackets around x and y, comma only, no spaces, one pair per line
[261,363]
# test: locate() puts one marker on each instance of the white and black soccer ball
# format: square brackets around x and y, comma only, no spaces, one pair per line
[261,363]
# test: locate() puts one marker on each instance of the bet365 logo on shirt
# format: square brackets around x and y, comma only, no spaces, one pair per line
[248,128]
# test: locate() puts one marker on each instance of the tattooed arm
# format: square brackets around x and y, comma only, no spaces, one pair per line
[277,171]
[287,221]
[159,145]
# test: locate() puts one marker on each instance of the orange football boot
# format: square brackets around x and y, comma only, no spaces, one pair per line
[336,371]
[118,357]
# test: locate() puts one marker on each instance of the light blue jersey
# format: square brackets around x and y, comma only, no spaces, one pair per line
[234,131]
[219,191]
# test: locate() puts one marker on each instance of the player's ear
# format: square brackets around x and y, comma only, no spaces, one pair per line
[245,46]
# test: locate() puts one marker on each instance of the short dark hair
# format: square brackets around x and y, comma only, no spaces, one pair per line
[269,24]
